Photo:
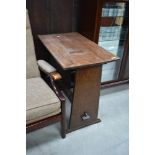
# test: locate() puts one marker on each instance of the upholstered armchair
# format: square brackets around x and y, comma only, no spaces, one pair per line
[45,104]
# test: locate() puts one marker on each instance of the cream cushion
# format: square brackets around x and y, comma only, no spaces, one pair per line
[27,20]
[31,64]
[41,101]
[45,66]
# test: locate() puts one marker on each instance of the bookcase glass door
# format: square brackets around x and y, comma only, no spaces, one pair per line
[113,35]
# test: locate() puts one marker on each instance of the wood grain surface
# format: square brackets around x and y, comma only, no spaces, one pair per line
[86,96]
[72,50]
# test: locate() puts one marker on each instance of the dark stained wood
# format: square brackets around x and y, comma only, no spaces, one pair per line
[98,20]
[86,16]
[49,16]
[83,125]
[86,97]
[114,83]
[42,123]
[89,20]
[38,11]
[126,70]
[125,59]
[63,105]
[72,50]
[56,76]
[63,119]
[56,90]
[61,13]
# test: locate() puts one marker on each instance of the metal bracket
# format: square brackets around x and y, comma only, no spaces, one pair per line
[85,116]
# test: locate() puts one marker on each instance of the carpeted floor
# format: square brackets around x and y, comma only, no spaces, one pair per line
[110,137]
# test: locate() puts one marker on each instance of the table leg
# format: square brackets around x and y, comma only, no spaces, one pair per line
[86,98]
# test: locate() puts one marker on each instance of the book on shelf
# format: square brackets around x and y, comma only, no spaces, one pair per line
[113,10]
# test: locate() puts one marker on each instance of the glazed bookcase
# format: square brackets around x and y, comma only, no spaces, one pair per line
[106,22]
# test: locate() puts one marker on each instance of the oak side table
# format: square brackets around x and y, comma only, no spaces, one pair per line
[74,51]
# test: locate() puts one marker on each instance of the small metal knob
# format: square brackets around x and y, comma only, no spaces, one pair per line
[85,116]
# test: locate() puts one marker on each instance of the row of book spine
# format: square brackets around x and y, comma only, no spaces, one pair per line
[109,33]
[112,12]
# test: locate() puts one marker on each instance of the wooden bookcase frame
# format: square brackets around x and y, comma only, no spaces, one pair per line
[89,26]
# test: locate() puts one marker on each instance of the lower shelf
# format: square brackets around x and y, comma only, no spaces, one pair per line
[113,83]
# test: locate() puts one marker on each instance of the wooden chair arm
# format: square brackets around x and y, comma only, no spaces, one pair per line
[56,90]
[55,75]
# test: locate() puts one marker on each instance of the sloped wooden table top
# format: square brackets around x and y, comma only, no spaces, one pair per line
[72,50]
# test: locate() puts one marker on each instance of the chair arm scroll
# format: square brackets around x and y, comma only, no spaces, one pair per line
[49,69]
[56,90]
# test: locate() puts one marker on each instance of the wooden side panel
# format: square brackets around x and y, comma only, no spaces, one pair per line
[87,15]
[60,16]
[89,18]
[86,97]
